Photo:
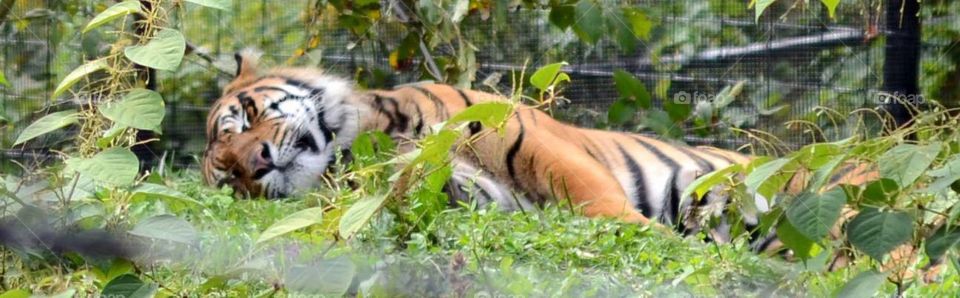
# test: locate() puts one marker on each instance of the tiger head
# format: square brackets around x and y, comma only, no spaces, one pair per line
[272,134]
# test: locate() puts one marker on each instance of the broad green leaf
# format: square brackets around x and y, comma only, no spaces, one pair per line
[825,172]
[166,227]
[814,214]
[139,108]
[794,240]
[460,9]
[767,178]
[436,147]
[631,88]
[878,232]
[906,162]
[704,183]
[562,16]
[880,191]
[546,75]
[46,124]
[114,166]
[831,6]
[157,190]
[327,278]
[18,293]
[864,285]
[218,4]
[942,240]
[113,12]
[761,5]
[74,76]
[588,25]
[640,24]
[359,214]
[164,51]
[292,222]
[621,111]
[489,114]
[946,175]
[129,286]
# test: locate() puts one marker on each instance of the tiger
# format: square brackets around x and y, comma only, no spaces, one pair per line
[276,134]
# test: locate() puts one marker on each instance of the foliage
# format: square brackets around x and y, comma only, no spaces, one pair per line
[898,209]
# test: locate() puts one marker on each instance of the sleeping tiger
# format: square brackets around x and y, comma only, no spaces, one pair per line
[275,134]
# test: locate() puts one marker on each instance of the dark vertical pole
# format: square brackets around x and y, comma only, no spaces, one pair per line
[901,57]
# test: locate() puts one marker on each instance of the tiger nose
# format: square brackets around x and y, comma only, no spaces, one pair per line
[262,162]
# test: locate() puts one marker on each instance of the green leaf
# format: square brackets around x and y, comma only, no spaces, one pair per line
[161,191]
[435,148]
[588,23]
[640,24]
[906,162]
[327,278]
[166,227]
[217,4]
[292,222]
[112,13]
[946,175]
[74,76]
[660,122]
[545,77]
[18,293]
[621,111]
[139,108]
[359,214]
[768,178]
[801,246]
[114,166]
[814,214]
[881,191]
[877,232]
[164,51]
[824,173]
[631,88]
[489,114]
[831,6]
[761,5]
[704,183]
[128,286]
[943,239]
[46,124]
[864,285]
[562,16]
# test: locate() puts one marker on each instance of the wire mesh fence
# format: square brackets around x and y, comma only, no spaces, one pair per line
[791,61]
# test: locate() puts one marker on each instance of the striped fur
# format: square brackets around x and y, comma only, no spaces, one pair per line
[275,134]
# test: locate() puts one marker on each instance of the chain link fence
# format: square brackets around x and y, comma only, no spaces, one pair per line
[791,60]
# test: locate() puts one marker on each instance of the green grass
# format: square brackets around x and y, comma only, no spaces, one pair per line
[462,251]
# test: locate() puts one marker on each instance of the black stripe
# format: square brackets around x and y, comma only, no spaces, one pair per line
[466,100]
[419,128]
[436,102]
[270,88]
[533,116]
[327,133]
[671,205]
[512,152]
[724,158]
[639,187]
[702,163]
[474,126]
[239,59]
[841,173]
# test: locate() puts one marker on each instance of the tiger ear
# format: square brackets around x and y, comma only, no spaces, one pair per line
[246,63]
[246,69]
